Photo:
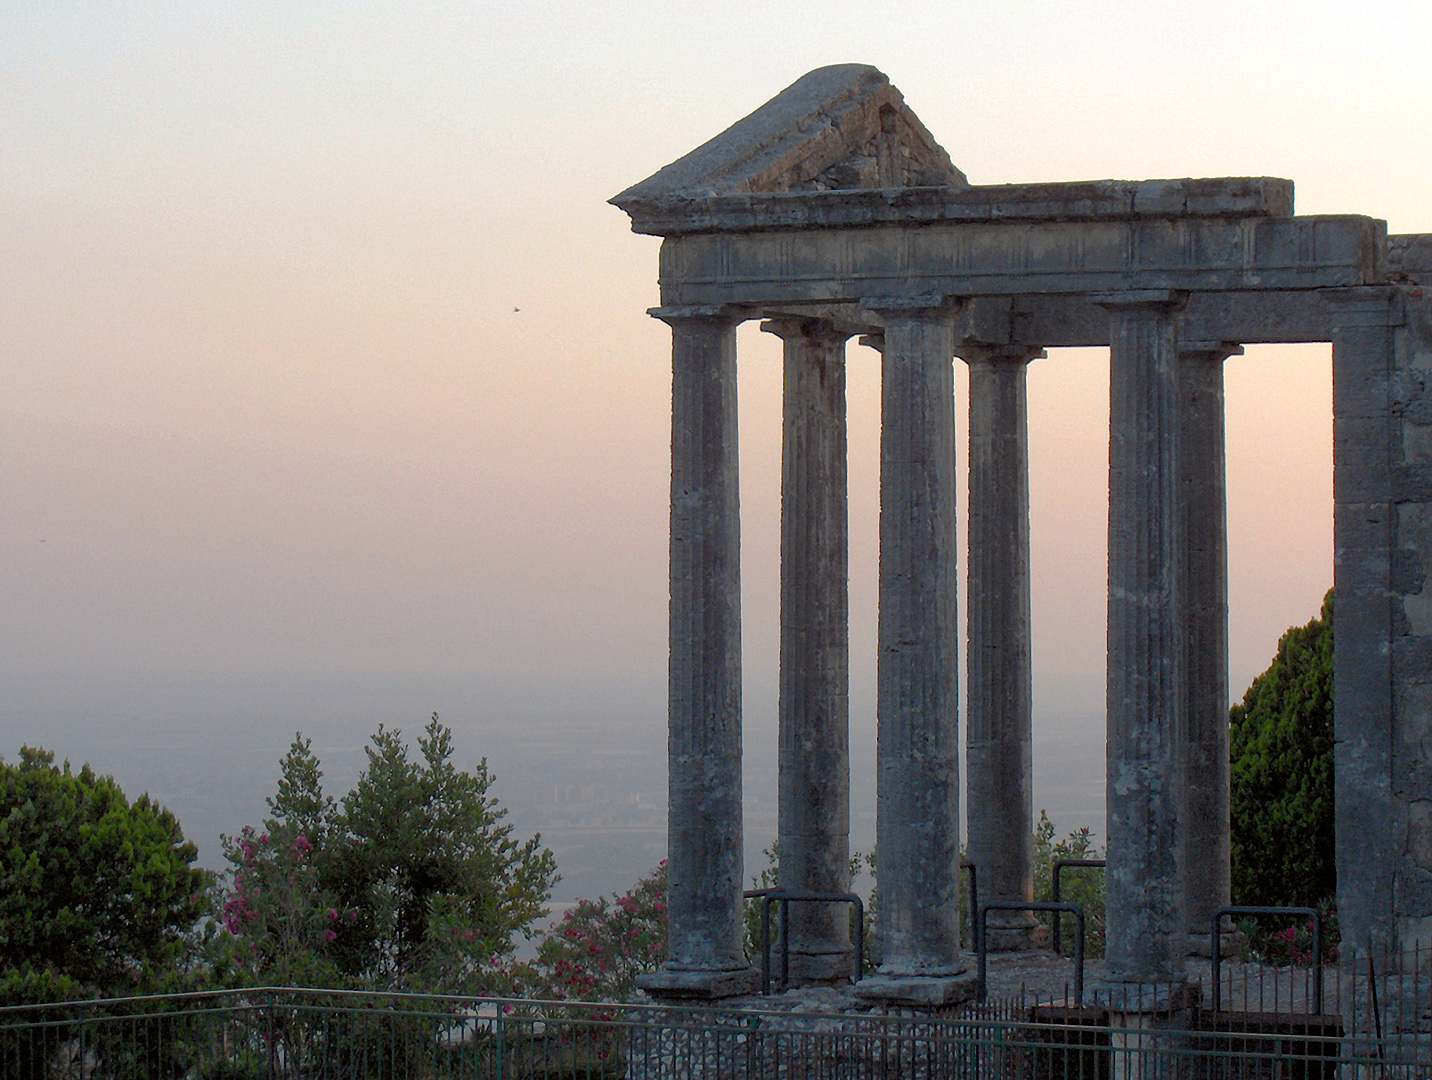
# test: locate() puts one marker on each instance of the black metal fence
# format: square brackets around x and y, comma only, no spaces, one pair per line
[1376,1022]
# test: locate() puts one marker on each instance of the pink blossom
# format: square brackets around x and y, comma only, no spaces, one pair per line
[332,914]
[330,935]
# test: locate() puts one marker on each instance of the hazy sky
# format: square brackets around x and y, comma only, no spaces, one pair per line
[267,405]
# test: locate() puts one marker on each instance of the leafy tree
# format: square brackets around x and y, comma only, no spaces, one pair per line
[413,881]
[1281,805]
[96,892]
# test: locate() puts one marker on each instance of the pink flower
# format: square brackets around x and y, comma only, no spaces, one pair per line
[332,914]
[330,935]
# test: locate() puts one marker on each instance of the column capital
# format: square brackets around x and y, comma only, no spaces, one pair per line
[1161,300]
[816,331]
[980,352]
[1214,352]
[929,306]
[680,313]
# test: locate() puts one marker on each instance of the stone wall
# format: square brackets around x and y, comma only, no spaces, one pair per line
[1412,626]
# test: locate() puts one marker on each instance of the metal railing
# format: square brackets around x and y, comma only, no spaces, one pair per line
[1038,905]
[1216,942]
[785,897]
[1060,865]
[294,1034]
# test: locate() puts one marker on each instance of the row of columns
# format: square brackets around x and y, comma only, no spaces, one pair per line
[1167,655]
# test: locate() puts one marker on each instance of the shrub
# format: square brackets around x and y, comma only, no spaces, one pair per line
[1082,887]
[599,947]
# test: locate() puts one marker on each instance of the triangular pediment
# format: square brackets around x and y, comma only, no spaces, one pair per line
[834,128]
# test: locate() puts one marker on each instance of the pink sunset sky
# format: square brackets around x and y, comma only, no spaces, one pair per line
[323,354]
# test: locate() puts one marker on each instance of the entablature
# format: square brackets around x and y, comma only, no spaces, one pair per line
[837,265]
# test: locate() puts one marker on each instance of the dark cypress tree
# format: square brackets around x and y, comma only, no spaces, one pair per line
[1282,774]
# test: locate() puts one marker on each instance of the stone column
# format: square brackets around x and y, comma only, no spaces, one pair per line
[705,953]
[1205,518]
[1147,657]
[917,766]
[815,648]
[1000,797]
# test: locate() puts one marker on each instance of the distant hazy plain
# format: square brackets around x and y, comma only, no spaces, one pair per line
[584,764]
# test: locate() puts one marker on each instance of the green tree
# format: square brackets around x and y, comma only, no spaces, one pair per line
[413,881]
[96,892]
[1281,805]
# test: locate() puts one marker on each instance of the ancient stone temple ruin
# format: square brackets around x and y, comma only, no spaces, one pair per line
[830,213]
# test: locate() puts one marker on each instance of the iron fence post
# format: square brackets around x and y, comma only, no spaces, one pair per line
[272,1041]
[1036,905]
[765,945]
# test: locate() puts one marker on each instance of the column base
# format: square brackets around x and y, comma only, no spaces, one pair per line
[1016,938]
[1231,944]
[1131,998]
[818,967]
[920,991]
[677,984]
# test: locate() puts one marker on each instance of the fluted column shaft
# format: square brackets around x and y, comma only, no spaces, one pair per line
[704,704]
[999,797]
[814,704]
[1147,660]
[1205,515]
[917,832]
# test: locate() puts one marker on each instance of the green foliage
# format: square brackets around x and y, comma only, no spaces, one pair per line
[768,878]
[600,947]
[413,882]
[1081,886]
[1281,805]
[96,892]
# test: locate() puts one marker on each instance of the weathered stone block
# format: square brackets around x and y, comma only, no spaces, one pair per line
[1416,443]
[1361,390]
[1419,833]
[1414,890]
[1410,256]
[1408,571]
[668,983]
[918,991]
